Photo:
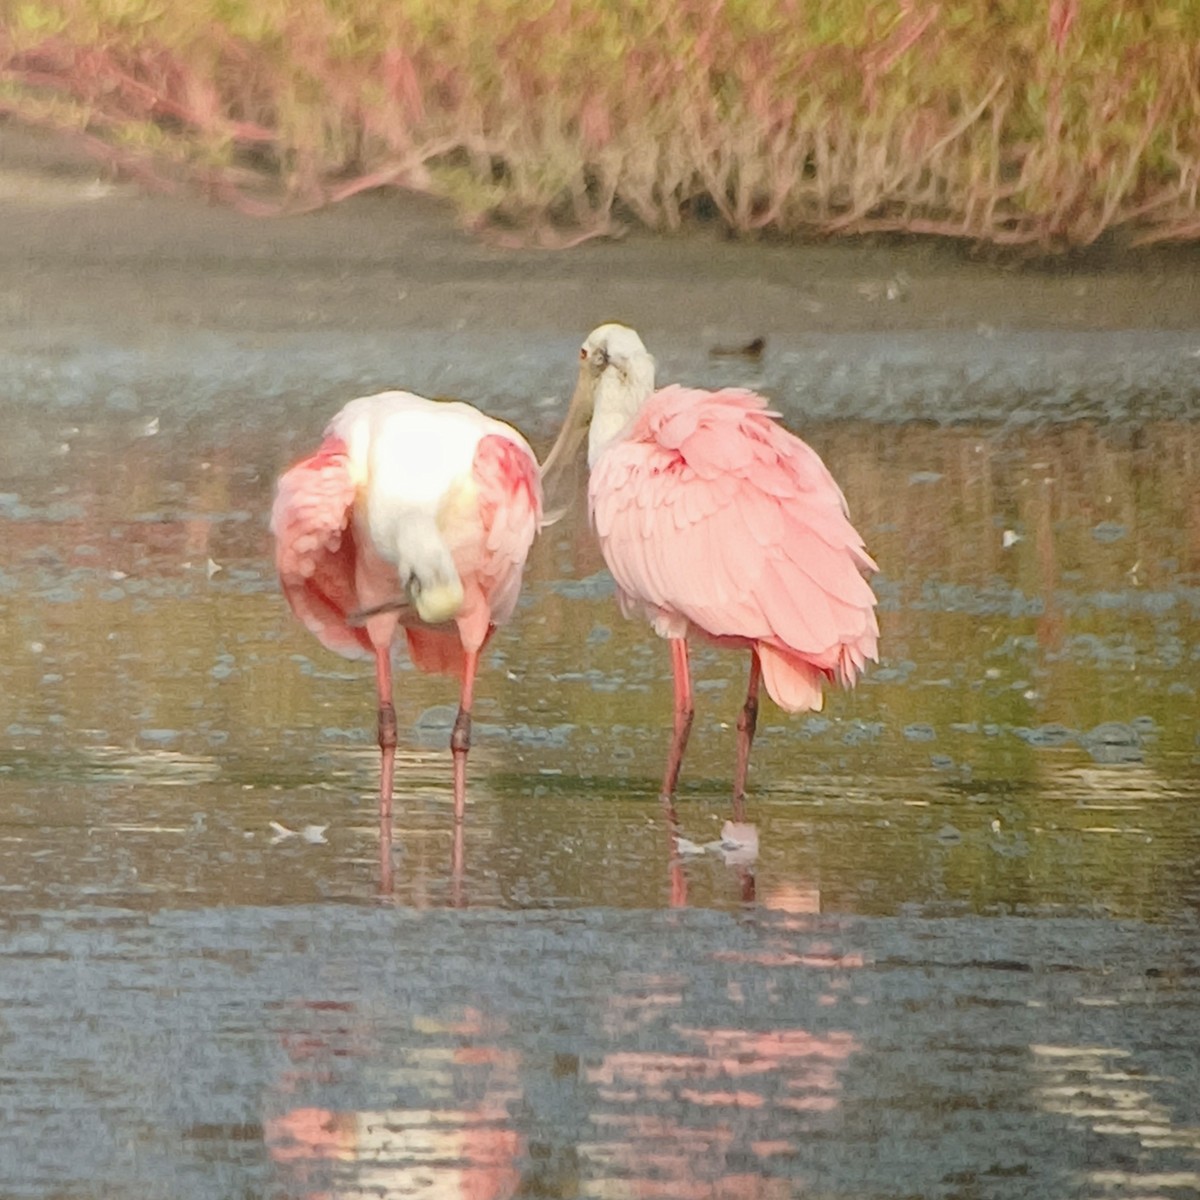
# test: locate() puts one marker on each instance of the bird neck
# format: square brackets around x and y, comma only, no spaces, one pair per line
[620,395]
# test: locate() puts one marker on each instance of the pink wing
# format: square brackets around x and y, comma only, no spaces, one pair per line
[314,547]
[710,509]
[510,509]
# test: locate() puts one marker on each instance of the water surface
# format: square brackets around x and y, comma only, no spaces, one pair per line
[964,962]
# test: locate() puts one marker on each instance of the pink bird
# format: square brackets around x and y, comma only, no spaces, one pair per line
[715,520]
[413,513]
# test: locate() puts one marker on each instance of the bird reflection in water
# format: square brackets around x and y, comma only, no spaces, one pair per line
[738,847]
[637,1100]
[673,1119]
[444,1151]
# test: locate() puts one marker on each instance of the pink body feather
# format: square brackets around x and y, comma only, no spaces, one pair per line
[714,519]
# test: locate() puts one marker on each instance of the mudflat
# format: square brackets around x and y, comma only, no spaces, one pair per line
[79,249]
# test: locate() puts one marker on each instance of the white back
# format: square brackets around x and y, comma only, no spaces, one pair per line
[413,460]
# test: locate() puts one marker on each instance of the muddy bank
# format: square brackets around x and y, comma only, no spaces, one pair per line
[88,265]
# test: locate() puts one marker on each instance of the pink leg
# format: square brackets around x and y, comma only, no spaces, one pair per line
[460,738]
[386,867]
[387,729]
[684,710]
[675,873]
[387,764]
[457,899]
[747,722]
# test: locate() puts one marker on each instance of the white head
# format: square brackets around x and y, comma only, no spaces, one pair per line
[616,377]
[617,373]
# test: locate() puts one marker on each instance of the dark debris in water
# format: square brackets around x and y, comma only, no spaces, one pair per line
[1113,743]
[1050,735]
[1109,531]
[593,587]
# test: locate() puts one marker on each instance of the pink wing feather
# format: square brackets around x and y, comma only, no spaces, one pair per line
[709,509]
[510,509]
[314,547]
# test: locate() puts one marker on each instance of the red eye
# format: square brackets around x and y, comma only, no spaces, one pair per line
[583,352]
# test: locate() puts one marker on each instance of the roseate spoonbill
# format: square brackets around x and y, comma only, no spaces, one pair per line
[715,520]
[413,513]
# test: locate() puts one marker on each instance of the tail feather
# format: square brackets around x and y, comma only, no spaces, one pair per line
[435,651]
[795,685]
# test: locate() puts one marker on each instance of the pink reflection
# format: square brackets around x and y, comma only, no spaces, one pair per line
[677,881]
[310,1133]
[468,1153]
[672,1119]
[796,898]
[439,1153]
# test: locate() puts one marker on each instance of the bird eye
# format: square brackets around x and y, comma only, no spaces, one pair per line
[583,353]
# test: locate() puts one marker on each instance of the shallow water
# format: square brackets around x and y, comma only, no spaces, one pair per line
[964,962]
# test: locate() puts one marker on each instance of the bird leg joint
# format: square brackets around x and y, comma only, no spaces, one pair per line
[748,717]
[460,737]
[387,727]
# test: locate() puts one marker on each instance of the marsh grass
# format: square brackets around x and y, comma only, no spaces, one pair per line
[1002,121]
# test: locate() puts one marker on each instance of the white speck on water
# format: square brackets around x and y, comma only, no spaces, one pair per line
[739,843]
[314,834]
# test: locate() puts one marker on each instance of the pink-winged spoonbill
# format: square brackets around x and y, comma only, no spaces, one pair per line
[413,514]
[714,520]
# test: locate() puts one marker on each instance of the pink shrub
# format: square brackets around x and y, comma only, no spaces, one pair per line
[995,120]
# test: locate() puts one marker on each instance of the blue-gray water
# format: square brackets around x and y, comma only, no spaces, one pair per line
[963,964]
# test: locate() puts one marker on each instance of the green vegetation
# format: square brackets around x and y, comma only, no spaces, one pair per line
[1005,121]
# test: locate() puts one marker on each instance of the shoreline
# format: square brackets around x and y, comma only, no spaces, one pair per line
[851,327]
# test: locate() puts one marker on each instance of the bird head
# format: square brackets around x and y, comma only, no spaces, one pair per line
[616,377]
